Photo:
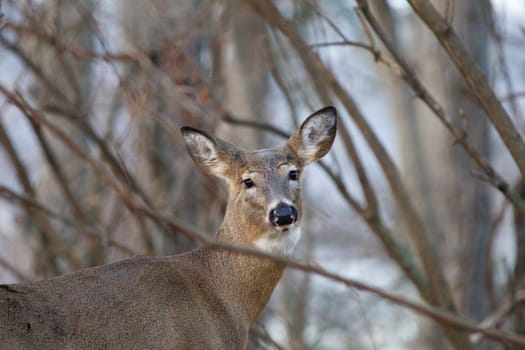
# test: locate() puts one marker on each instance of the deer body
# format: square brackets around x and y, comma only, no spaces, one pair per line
[203,299]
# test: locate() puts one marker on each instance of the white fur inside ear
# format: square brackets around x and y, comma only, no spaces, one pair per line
[307,151]
[313,133]
[204,151]
[316,129]
[281,244]
[201,146]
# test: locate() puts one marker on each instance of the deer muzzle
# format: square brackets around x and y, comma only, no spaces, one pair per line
[283,215]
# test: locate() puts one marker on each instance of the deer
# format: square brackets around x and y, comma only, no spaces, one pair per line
[206,298]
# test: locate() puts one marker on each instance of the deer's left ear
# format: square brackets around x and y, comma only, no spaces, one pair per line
[316,135]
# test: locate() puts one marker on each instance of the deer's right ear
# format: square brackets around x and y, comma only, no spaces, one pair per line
[208,152]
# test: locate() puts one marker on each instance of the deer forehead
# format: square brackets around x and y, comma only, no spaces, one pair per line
[268,161]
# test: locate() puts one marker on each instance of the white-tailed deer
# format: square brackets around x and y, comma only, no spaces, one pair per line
[204,299]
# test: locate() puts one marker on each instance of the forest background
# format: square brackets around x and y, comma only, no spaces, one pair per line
[414,232]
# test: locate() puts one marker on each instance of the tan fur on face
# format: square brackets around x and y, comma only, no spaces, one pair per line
[269,171]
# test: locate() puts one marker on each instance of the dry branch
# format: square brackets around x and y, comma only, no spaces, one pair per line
[498,316]
[460,136]
[475,79]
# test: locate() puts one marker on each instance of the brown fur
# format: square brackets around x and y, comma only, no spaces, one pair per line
[159,302]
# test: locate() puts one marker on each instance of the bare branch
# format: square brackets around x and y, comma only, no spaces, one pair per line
[498,316]
[475,79]
[460,136]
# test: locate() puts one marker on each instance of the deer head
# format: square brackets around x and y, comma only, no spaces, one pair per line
[264,205]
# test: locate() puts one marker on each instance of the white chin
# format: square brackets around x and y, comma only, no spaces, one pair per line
[281,243]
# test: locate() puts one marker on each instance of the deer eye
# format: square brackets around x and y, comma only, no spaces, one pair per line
[248,183]
[293,175]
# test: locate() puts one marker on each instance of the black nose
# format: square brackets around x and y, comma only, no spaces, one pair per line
[283,214]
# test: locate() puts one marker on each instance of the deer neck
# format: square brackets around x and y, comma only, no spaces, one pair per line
[245,282]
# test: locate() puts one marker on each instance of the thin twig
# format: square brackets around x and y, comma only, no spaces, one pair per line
[343,43]
[498,316]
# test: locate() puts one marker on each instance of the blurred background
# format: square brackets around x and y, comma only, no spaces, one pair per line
[420,195]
